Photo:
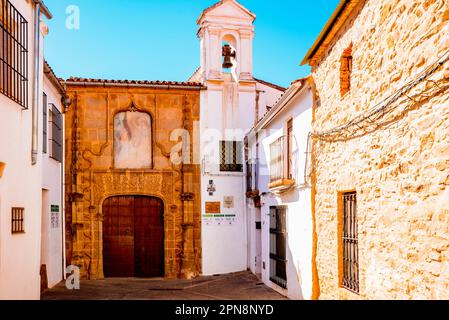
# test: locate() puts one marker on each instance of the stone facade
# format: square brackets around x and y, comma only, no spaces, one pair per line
[396,160]
[91,176]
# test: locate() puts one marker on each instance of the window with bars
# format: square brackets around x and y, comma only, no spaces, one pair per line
[252,175]
[249,176]
[278,244]
[350,277]
[345,71]
[13,54]
[44,124]
[277,160]
[56,133]
[17,220]
[231,156]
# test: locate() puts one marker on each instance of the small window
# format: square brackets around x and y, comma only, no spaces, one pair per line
[350,279]
[345,71]
[231,156]
[17,220]
[56,134]
[44,124]
[278,245]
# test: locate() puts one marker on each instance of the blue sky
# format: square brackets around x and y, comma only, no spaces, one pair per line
[156,39]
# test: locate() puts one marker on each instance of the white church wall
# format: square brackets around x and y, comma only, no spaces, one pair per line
[228,112]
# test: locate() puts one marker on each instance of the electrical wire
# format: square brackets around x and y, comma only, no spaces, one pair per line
[377,112]
[372,118]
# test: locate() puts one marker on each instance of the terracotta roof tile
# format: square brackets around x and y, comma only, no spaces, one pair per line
[75,80]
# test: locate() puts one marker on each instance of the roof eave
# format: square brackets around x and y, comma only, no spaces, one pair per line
[216,5]
[44,9]
[270,84]
[296,88]
[327,28]
[132,84]
[49,73]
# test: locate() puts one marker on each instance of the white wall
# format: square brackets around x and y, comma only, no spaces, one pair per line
[224,247]
[269,98]
[297,201]
[52,178]
[20,186]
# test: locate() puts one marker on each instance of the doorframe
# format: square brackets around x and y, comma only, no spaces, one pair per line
[100,225]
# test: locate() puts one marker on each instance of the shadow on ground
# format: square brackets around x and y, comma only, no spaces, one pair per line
[236,286]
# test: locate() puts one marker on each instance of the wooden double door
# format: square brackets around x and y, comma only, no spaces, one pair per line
[133,237]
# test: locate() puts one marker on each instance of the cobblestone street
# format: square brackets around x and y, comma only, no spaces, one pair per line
[236,286]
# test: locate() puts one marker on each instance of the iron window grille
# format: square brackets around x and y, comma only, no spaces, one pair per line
[56,134]
[13,54]
[44,124]
[231,156]
[350,279]
[278,244]
[252,175]
[249,176]
[17,220]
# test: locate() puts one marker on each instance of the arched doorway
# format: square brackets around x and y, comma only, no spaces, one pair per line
[133,237]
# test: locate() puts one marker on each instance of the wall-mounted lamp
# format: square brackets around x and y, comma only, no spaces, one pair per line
[66,102]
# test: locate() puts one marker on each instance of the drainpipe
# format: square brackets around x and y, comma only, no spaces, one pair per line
[37,48]
[66,102]
[40,7]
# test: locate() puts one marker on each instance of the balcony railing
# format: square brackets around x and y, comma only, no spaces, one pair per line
[13,54]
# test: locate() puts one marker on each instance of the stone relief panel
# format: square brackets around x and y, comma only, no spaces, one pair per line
[157,184]
[132,140]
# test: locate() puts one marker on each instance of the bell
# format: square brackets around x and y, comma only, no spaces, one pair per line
[228,54]
[227,64]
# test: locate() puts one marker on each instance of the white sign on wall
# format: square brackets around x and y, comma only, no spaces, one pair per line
[228,202]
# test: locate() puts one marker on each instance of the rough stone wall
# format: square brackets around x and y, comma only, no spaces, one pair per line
[399,165]
[91,177]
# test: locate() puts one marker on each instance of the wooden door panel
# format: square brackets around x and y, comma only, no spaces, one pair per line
[149,226]
[118,237]
[133,237]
